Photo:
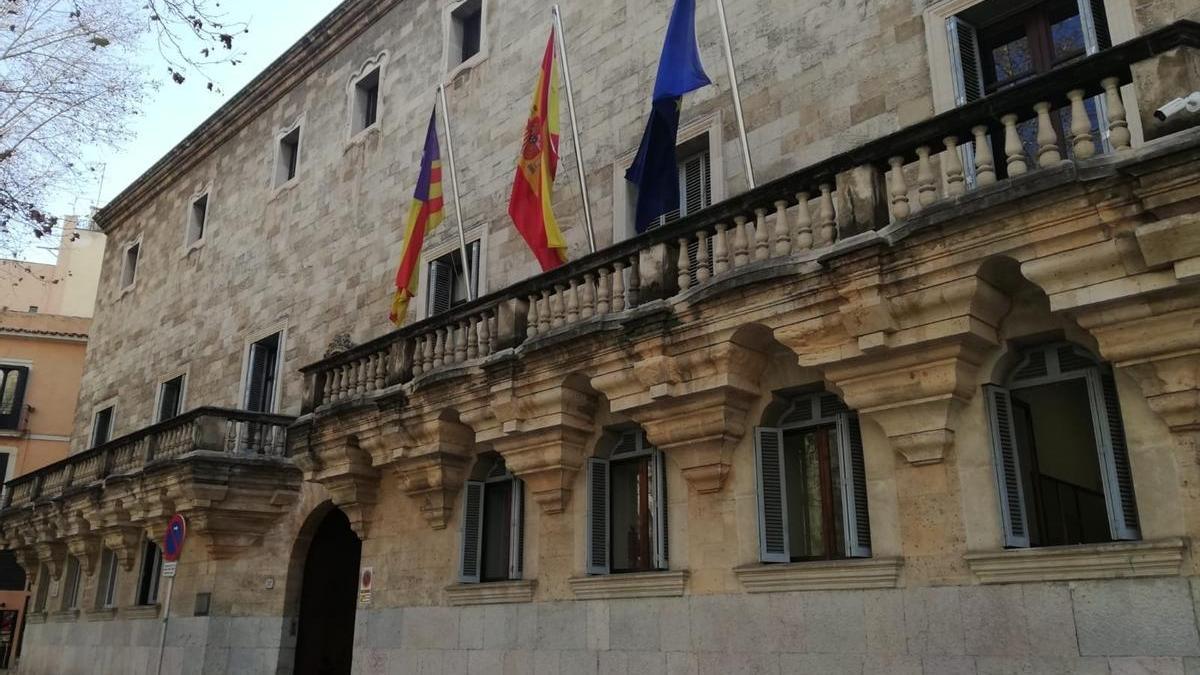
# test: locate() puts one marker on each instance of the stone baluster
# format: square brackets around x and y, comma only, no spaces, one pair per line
[418,362]
[721,251]
[804,231]
[545,320]
[493,334]
[683,277]
[926,183]
[783,230]
[573,301]
[762,238]
[1118,127]
[439,348]
[473,338]
[364,373]
[429,346]
[618,287]
[741,250]
[603,295]
[460,342]
[1081,127]
[556,308]
[346,377]
[327,387]
[485,335]
[899,189]
[381,368]
[335,384]
[826,216]
[703,273]
[952,165]
[531,329]
[1048,152]
[587,300]
[985,162]
[634,292]
[1014,149]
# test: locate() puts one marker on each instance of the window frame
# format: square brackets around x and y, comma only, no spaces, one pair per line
[148,586]
[13,421]
[41,594]
[128,280]
[630,444]
[473,544]
[106,586]
[111,406]
[375,66]
[181,375]
[282,167]
[247,354]
[72,583]
[452,42]
[195,234]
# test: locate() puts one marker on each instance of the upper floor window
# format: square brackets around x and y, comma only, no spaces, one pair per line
[812,486]
[493,532]
[170,398]
[466,32]
[197,219]
[695,179]
[366,101]
[43,588]
[71,582]
[106,592]
[102,425]
[133,253]
[1061,460]
[147,593]
[262,369]
[287,156]
[13,380]
[448,282]
[627,507]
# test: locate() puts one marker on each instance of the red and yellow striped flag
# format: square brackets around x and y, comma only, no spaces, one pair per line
[424,215]
[530,206]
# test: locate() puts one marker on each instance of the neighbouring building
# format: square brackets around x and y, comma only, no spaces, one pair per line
[45,312]
[926,400]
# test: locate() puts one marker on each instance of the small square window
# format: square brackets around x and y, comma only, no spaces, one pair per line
[466,32]
[129,272]
[366,101]
[197,219]
[287,157]
[151,569]
[33,309]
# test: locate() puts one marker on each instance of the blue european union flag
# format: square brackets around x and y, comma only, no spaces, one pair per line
[655,170]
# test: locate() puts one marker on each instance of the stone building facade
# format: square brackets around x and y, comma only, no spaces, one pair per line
[908,406]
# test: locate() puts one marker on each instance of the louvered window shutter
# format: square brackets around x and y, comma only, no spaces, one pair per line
[966,68]
[1114,456]
[772,495]
[472,533]
[695,184]
[473,258]
[1008,466]
[1095,26]
[852,467]
[441,287]
[659,486]
[597,516]
[516,554]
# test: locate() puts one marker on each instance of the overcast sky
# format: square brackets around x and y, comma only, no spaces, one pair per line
[175,110]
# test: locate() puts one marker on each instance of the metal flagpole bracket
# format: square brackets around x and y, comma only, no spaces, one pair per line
[462,235]
[566,66]
[737,96]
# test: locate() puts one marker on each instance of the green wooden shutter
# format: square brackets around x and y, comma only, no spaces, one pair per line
[472,533]
[1114,455]
[597,516]
[857,529]
[516,554]
[1008,466]
[772,495]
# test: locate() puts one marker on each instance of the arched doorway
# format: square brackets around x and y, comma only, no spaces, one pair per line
[328,596]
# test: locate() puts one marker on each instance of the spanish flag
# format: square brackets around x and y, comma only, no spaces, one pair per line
[530,206]
[423,217]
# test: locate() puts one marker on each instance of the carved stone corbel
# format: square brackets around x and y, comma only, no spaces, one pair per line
[433,469]
[126,543]
[332,456]
[52,554]
[86,549]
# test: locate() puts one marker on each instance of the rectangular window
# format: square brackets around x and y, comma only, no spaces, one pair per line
[33,309]
[466,31]
[102,425]
[261,372]
[71,578]
[151,569]
[106,594]
[43,588]
[447,283]
[287,156]
[170,398]
[129,271]
[12,395]
[627,514]
[366,101]
[197,219]
[492,529]
[695,180]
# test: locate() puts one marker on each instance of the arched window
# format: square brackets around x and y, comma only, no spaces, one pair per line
[1062,464]
[493,530]
[812,487]
[627,507]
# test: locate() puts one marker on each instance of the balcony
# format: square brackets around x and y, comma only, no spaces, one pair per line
[225,470]
[886,269]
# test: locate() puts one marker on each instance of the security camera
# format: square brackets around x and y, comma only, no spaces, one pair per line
[1190,103]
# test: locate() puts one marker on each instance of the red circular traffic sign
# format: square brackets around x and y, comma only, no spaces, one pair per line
[173,539]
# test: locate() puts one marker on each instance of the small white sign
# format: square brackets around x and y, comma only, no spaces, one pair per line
[169,569]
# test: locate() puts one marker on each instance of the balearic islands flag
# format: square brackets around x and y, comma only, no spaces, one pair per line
[655,171]
[423,216]
[530,206]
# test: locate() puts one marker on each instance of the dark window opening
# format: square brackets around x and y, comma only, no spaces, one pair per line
[71,580]
[129,273]
[366,101]
[13,380]
[151,569]
[447,282]
[814,501]
[492,531]
[468,22]
[289,156]
[261,374]
[632,550]
[102,426]
[198,219]
[12,575]
[170,398]
[43,588]
[106,593]
[627,507]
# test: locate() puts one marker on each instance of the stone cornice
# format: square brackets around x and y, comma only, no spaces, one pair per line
[833,575]
[1069,563]
[495,593]
[337,30]
[639,585]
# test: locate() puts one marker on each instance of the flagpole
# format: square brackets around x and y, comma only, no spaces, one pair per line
[462,235]
[737,97]
[562,50]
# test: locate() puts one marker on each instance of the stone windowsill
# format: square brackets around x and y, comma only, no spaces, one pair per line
[490,593]
[831,575]
[139,612]
[1070,563]
[35,617]
[637,585]
[63,616]
[103,614]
